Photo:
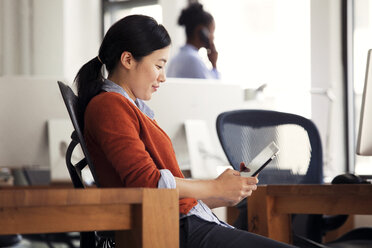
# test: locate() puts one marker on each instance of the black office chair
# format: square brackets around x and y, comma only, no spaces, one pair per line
[87,239]
[244,133]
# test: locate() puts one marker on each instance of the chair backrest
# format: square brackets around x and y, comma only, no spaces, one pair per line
[77,137]
[244,133]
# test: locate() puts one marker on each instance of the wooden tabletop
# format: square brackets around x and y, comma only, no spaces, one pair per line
[322,199]
[270,206]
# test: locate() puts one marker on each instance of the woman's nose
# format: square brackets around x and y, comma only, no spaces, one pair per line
[162,77]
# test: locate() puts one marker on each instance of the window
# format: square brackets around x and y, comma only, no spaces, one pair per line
[115,10]
[266,42]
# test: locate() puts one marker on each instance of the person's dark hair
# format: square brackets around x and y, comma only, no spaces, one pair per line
[138,34]
[192,16]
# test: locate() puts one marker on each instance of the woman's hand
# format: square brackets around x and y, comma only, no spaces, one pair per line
[226,190]
[212,54]
[232,188]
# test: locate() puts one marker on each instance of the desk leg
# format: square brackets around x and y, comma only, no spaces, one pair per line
[263,220]
[155,223]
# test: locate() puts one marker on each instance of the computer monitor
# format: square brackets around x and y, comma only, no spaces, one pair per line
[364,142]
[26,105]
[188,108]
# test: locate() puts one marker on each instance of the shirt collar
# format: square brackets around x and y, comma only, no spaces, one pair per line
[110,86]
[190,47]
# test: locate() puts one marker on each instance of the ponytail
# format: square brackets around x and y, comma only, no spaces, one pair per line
[89,82]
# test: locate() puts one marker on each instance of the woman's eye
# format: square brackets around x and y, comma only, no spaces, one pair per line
[159,67]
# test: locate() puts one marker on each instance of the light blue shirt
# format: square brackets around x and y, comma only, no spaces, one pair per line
[167,180]
[188,64]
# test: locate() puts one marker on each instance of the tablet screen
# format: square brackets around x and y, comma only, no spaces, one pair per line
[261,160]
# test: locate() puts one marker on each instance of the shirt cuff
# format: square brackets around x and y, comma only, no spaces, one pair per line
[215,73]
[166,180]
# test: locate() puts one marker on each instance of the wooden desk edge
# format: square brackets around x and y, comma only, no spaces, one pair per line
[151,216]
[270,206]
[31,197]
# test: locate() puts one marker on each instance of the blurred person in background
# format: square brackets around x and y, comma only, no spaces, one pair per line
[199,27]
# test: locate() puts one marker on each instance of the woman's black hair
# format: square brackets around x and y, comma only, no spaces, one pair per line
[192,16]
[138,34]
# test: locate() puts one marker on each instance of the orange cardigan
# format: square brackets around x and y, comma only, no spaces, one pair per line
[127,147]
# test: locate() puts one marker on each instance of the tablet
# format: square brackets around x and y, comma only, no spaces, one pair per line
[261,160]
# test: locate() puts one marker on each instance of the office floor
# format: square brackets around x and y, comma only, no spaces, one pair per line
[35,244]
[32,242]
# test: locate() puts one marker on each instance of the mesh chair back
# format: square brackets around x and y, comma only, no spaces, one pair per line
[77,137]
[244,133]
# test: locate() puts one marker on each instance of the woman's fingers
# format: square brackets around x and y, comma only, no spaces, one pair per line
[249,188]
[234,188]
[251,180]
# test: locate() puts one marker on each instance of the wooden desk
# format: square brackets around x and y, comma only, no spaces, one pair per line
[270,207]
[142,217]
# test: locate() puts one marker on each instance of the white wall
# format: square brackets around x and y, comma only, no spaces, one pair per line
[1,37]
[51,38]
[47,37]
[171,11]
[326,73]
[82,34]
[66,35]
[15,37]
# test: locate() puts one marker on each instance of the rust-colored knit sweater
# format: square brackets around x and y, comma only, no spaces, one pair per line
[127,147]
